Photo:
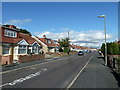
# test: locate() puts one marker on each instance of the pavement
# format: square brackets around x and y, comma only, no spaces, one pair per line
[96,75]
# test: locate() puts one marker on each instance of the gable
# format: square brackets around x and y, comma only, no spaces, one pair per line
[23,42]
[39,41]
[36,43]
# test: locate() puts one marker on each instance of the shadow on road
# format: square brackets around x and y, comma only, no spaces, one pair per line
[100,57]
[117,77]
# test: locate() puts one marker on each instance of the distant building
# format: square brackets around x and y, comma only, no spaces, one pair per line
[48,44]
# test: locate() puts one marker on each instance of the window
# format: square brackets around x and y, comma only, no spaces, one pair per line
[22,49]
[5,49]
[36,49]
[10,33]
[48,41]
[55,42]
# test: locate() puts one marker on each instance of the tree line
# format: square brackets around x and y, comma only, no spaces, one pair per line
[113,48]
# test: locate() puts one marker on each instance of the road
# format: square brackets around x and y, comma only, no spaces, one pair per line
[53,74]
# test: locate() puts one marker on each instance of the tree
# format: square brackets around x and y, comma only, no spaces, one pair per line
[103,48]
[115,49]
[65,43]
[24,31]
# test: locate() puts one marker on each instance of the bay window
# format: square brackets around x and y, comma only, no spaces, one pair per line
[5,49]
[35,48]
[22,49]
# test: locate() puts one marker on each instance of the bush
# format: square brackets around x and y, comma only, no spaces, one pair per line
[112,48]
[60,50]
[66,49]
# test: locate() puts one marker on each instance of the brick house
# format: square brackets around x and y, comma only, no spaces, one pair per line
[49,45]
[13,44]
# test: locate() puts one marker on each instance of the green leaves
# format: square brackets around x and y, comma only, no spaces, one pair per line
[113,48]
[65,43]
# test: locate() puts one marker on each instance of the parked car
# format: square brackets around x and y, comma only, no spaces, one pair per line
[80,53]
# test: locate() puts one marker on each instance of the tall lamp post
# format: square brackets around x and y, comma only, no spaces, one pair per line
[104,16]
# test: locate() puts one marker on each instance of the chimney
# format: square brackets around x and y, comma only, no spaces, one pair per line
[11,26]
[44,36]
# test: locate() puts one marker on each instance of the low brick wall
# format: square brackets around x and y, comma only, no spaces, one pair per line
[6,60]
[114,63]
[27,58]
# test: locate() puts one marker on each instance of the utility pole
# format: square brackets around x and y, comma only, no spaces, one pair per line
[68,34]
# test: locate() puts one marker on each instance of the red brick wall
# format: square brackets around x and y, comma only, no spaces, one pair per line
[27,58]
[5,60]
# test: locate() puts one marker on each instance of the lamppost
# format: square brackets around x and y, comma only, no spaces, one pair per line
[104,16]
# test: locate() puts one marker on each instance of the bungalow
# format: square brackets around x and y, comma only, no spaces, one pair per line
[49,45]
[13,44]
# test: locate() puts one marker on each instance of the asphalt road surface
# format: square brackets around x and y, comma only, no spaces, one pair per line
[53,74]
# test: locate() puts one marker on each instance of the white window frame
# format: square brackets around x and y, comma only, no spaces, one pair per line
[21,47]
[38,47]
[35,47]
[48,41]
[10,33]
[6,48]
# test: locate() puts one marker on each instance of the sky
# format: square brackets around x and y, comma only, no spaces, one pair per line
[55,19]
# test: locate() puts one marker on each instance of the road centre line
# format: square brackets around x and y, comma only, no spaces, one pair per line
[75,78]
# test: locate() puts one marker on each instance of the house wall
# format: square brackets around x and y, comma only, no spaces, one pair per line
[6,59]
[45,49]
[52,50]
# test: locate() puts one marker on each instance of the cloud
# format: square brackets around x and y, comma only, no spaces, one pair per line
[91,38]
[18,22]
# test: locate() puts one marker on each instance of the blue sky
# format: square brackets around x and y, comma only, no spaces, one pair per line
[56,18]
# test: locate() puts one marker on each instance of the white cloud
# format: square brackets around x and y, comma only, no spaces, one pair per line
[18,22]
[91,38]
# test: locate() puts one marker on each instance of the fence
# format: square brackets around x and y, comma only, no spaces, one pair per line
[114,62]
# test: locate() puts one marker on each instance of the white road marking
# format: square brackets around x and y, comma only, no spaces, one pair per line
[3,85]
[75,78]
[43,69]
[33,68]
[23,79]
